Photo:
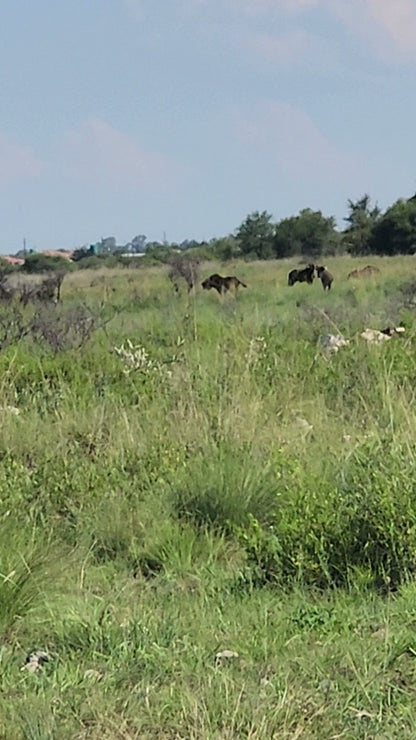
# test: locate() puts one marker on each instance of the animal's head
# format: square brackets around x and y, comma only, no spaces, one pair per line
[320,270]
[206,284]
[310,273]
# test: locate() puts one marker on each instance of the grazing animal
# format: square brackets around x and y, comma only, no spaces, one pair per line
[222,284]
[302,276]
[364,272]
[186,268]
[325,277]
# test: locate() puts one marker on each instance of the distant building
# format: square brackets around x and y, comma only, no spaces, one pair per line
[11,260]
[58,253]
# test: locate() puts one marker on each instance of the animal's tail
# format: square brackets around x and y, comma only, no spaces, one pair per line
[243,284]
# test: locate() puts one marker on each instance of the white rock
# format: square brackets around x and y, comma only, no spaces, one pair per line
[93,674]
[375,336]
[11,410]
[332,342]
[225,655]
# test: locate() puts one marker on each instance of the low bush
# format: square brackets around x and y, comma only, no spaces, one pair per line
[45,263]
[361,520]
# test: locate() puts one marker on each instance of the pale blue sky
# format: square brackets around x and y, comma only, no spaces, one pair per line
[125,117]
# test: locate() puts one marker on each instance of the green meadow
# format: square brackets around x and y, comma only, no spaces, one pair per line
[183,475]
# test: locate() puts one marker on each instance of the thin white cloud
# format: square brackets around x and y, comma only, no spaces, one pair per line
[388,26]
[288,48]
[396,19]
[17,162]
[96,151]
[288,6]
[293,144]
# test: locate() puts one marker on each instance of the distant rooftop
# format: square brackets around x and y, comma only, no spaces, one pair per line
[12,260]
[66,254]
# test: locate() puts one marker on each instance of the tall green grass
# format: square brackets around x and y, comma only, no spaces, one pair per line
[235,489]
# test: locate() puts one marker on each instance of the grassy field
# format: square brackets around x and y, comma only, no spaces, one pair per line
[186,475]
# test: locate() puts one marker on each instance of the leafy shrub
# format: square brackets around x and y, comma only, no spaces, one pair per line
[14,326]
[65,328]
[60,328]
[6,268]
[44,263]
[226,248]
[365,523]
[96,261]
[48,290]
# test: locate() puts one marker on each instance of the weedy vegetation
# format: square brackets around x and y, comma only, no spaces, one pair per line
[183,474]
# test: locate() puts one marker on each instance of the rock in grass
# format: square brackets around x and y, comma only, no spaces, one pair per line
[332,342]
[224,656]
[374,336]
[35,661]
[302,424]
[10,410]
[92,674]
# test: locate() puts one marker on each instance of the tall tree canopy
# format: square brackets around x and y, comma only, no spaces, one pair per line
[310,233]
[255,236]
[395,231]
[361,220]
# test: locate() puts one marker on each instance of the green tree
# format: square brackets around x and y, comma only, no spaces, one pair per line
[6,268]
[107,244]
[226,248]
[44,263]
[255,236]
[361,221]
[395,232]
[81,253]
[138,243]
[309,234]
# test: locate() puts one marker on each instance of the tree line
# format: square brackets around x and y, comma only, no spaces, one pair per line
[310,234]
[367,231]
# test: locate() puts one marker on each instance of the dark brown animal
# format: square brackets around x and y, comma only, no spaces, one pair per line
[325,277]
[302,276]
[364,272]
[222,284]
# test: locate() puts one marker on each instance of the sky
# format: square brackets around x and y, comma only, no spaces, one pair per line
[178,118]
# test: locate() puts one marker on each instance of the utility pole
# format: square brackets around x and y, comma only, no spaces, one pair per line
[24,246]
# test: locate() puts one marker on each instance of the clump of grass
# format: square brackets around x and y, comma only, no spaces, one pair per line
[27,574]
[222,486]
